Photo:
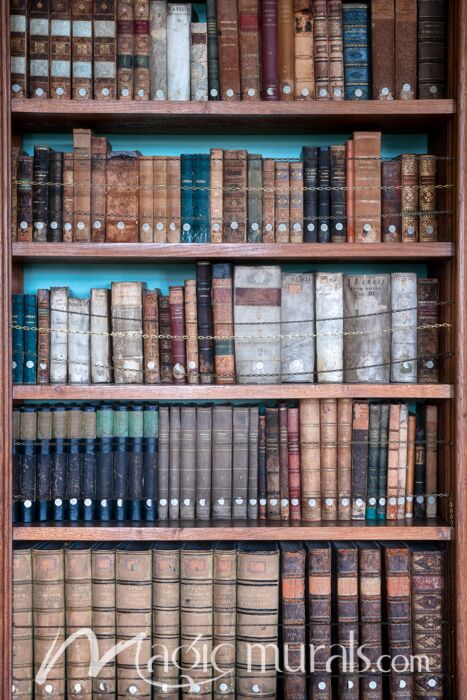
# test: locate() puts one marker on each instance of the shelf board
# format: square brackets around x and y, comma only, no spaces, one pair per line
[174,252]
[219,117]
[163,392]
[432,529]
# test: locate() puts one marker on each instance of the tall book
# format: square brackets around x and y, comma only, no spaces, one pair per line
[163,464]
[22,622]
[391,201]
[310,466]
[319,566]
[284,462]
[30,339]
[17,320]
[160,198]
[370,615]
[329,302]
[105,49]
[367,174]
[428,337]
[272,464]
[374,424]
[68,197]
[43,461]
[269,50]
[81,50]
[337,223]
[166,614]
[406,49]
[404,322]
[383,461]
[191,332]
[344,458]
[240,426]
[304,66]
[347,614]
[296,202]
[335,50]
[78,615]
[18,48]
[199,62]
[82,184]
[393,461]
[297,327]
[79,371]
[328,458]
[40,192]
[383,49]
[252,511]
[141,51]
[126,310]
[99,313]
[58,335]
[173,199]
[178,51]
[310,194]
[216,194]
[174,462]
[321,49]
[228,50]
[103,614]
[221,484]
[269,200]
[122,197]
[222,309]
[187,462]
[205,322]
[213,52]
[152,373]
[125,49]
[254,198]
[431,433]
[60,49]
[324,185]
[355,30]
[249,45]
[410,197]
[24,198]
[100,149]
[55,197]
[235,176]
[158,64]
[27,464]
[177,331]
[293,557]
[38,48]
[285,22]
[360,428]
[402,480]
[293,426]
[431,50]
[165,347]
[104,460]
[224,618]
[282,203]
[203,462]
[150,460]
[428,226]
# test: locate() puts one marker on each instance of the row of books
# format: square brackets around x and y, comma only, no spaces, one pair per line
[233,324]
[245,49]
[344,192]
[323,459]
[235,621]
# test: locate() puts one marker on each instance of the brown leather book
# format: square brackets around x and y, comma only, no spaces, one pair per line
[191,331]
[284,461]
[273,464]
[282,203]
[336,50]
[344,458]
[216,200]
[22,674]
[19,48]
[270,49]
[431,432]
[78,607]
[82,184]
[393,462]
[43,336]
[141,51]
[105,49]
[160,199]
[127,324]
[304,50]
[173,199]
[81,50]
[60,49]
[293,556]
[328,458]
[103,615]
[262,483]
[285,24]
[68,197]
[383,49]
[360,426]
[409,198]
[125,49]
[370,599]
[293,424]
[348,632]
[269,200]
[222,312]
[428,338]
[321,49]
[253,449]
[24,197]
[235,200]
[203,462]
[228,48]
[296,202]
[249,42]
[165,347]
[350,194]
[319,568]
[428,227]
[240,425]
[310,477]
[402,461]
[122,197]
[367,182]
[38,48]
[406,49]
[146,199]
[432,44]
[166,614]
[187,462]
[152,373]
[177,331]
[410,481]
[224,618]
[391,201]
[100,149]
[221,492]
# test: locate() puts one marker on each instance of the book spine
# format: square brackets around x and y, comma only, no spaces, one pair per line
[125,49]
[350,194]
[409,198]
[173,199]
[163,465]
[373,459]
[174,463]
[38,48]
[398,608]
[321,49]
[293,423]
[282,203]
[22,628]
[59,462]
[150,339]
[68,197]
[383,49]
[431,432]
[186,174]
[191,331]
[221,490]
[165,347]
[177,331]
[324,184]
[203,462]
[250,47]
[235,197]
[78,614]
[406,49]
[104,461]
[55,197]
[284,462]
[101,372]
[292,580]
[146,199]
[202,185]
[222,311]
[79,371]
[178,51]
[103,616]
[81,49]
[228,50]
[121,461]
[272,464]
[367,173]
[205,322]
[27,479]
[216,195]
[391,201]
[337,222]
[431,50]
[17,321]
[329,326]
[160,196]
[166,614]
[187,462]
[410,481]
[224,618]
[58,335]
[105,50]
[60,48]
[150,460]
[141,51]
[252,510]
[262,482]
[240,427]
[199,62]
[428,226]
[344,458]
[122,198]
[25,198]
[19,48]
[43,336]
[420,465]
[428,338]
[270,50]
[402,481]
[127,325]
[336,50]
[297,327]
[393,461]
[88,461]
[310,195]
[296,202]
[355,32]
[158,72]
[269,201]
[348,631]
[213,52]
[310,466]
[371,683]
[40,193]
[82,184]
[328,458]
[319,615]
[304,52]
[285,25]
[360,426]
[383,462]
[99,152]
[404,322]
[255,198]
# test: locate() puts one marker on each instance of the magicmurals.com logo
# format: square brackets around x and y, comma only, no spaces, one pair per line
[203,660]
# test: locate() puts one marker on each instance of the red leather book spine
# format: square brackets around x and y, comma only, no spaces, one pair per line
[270,50]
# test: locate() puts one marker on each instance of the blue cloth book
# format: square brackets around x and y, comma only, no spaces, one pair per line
[201,198]
[186,176]
[355,31]
[17,319]
[30,339]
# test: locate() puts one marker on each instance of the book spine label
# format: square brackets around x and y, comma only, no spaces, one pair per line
[81,44]
[199,62]
[105,49]
[304,53]
[60,49]
[178,51]
[141,51]
[158,74]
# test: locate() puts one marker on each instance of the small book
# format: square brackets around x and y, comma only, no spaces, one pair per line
[173,199]
[81,50]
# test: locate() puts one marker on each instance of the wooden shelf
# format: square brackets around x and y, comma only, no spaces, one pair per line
[240,117]
[432,529]
[142,252]
[164,392]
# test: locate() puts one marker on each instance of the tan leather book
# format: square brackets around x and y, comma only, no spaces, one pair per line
[173,199]
[310,459]
[152,370]
[402,480]
[360,439]
[304,50]
[203,462]
[296,202]
[285,25]
[383,32]
[103,615]
[100,149]
[428,228]
[166,615]
[81,49]
[82,184]
[141,51]
[344,458]
[60,48]
[160,199]
[235,200]
[146,199]
[78,615]
[393,461]
[122,197]
[228,48]
[191,331]
[269,200]
[431,431]
[221,488]
[222,313]
[328,458]
[22,630]
[249,35]
[410,485]
[367,182]
[406,49]
[224,618]
[321,49]
[336,50]
[282,203]
[126,310]
[68,197]
[370,609]
[216,201]
[125,49]
[409,198]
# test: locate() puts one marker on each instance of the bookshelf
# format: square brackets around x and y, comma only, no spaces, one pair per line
[445,121]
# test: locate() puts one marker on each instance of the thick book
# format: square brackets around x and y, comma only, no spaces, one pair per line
[177,331]
[360,432]
[58,335]
[405,49]
[166,613]
[328,458]
[404,323]
[178,51]
[282,203]
[367,182]
[103,614]
[199,62]
[191,332]
[105,49]
[254,198]
[203,462]
[152,373]
[355,31]
[224,618]
[304,66]
[221,485]
[370,615]
[310,459]
[81,50]
[141,51]
[126,311]
[228,50]
[293,559]
[78,615]
[329,301]
[121,224]
[187,462]
[125,49]
[428,347]
[335,50]
[19,48]
[222,310]
[321,49]
[297,327]
[391,201]
[431,49]
[82,184]
[383,49]
[158,38]
[22,674]
[213,53]
[319,568]
[60,49]
[38,48]
[99,311]
[79,371]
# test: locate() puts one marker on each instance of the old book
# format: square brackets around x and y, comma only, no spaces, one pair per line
[178,51]
[186,197]
[187,462]
[393,461]
[431,433]
[391,201]
[269,200]
[335,50]
[150,460]
[38,48]
[228,50]
[431,50]
[79,371]
[191,332]
[254,198]
[222,311]
[224,618]
[427,338]
[329,326]
[240,427]
[411,434]
[17,337]
[199,62]
[165,347]
[284,462]
[122,197]
[88,433]
[272,464]
[55,197]
[319,566]
[269,50]
[146,198]
[262,485]
[367,173]
[370,615]
[296,202]
[126,310]
[328,458]
[420,464]
[24,198]
[310,194]
[152,372]
[100,149]
[121,461]
[82,184]
[205,322]
[344,458]
[68,197]
[27,464]
[58,335]
[409,198]
[285,24]
[160,195]
[59,461]
[213,53]
[373,460]
[257,599]
[60,49]
[165,613]
[163,464]
[22,622]
[158,63]
[428,226]
[234,196]
[30,339]
[19,48]
[101,372]
[125,49]
[350,192]
[201,184]
[337,222]
[221,489]
[355,31]
[141,51]
[310,459]
[40,192]
[81,50]
[402,479]
[282,203]
[105,49]
[324,202]
[367,300]
[78,615]
[104,460]
[348,631]
[43,336]
[177,331]
[293,557]
[321,49]
[383,49]
[252,510]
[257,296]
[383,461]
[405,49]
[203,462]
[360,427]
[173,199]
[103,614]
[216,194]
[304,51]
[174,463]
[297,327]
[404,322]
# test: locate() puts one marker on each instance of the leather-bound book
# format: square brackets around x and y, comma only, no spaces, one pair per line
[27,479]
[431,432]
[224,618]
[348,632]
[328,458]
[160,198]
[191,332]
[177,331]
[135,463]
[428,227]
[240,426]
[133,601]
[367,172]
[410,480]
[367,304]
[22,619]
[324,202]
[59,461]
[293,423]
[310,194]
[58,335]
[174,463]
[370,611]
[329,325]
[431,50]
[16,464]
[337,223]
[410,194]
[101,372]
[15,151]
[293,557]
[81,50]
[48,577]
[228,50]
[68,197]
[402,476]
[19,48]
[404,322]
[257,602]
[398,616]
[201,184]
[166,614]
[272,464]
[319,567]
[270,50]
[187,462]
[383,461]
[383,49]
[43,336]
[249,36]
[282,204]
[406,49]
[186,197]
[222,311]
[254,198]
[393,461]
[126,309]
[199,62]
[253,423]
[40,193]
[141,51]
[355,30]
[310,467]
[78,615]
[163,465]
[321,49]
[79,371]
[391,201]
[428,338]
[38,48]
[165,347]
[125,49]
[304,50]
[216,194]
[373,459]
[203,462]
[285,23]
[336,50]
[284,461]
[221,490]
[213,53]
[158,38]
[60,49]
[257,309]
[269,200]
[196,608]
[121,460]
[360,427]
[428,564]
[150,460]
[55,197]
[173,199]
[205,322]
[296,202]
[262,482]
[350,193]
[88,460]
[30,339]
[146,199]
[100,150]
[24,198]
[297,327]
[235,196]
[420,464]
[104,460]
[82,184]
[178,51]
[122,197]
[105,49]
[103,615]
